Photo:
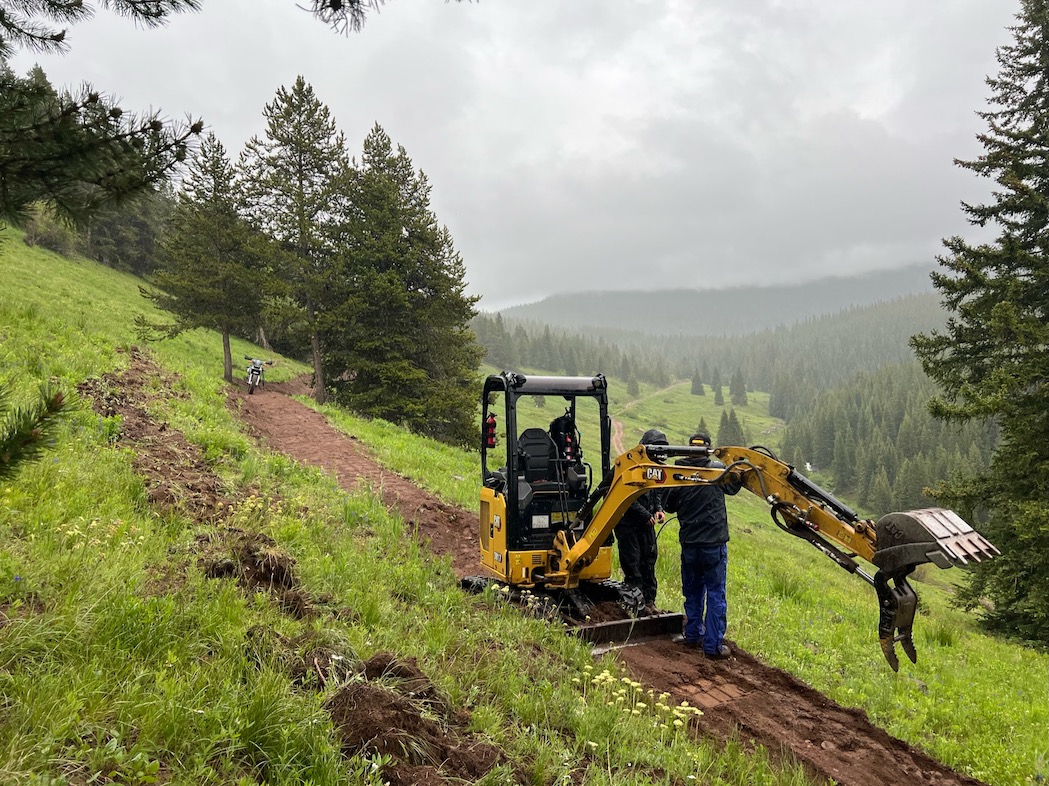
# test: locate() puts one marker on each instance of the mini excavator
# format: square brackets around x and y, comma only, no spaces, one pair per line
[546,528]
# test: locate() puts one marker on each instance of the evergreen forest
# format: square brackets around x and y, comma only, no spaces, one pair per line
[349,269]
[854,400]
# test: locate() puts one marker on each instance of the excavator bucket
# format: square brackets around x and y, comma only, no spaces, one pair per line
[935,535]
[906,540]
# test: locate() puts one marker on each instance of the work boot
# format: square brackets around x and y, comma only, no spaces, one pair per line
[722,652]
[680,639]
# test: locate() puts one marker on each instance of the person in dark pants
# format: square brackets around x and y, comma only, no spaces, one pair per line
[636,535]
[703,532]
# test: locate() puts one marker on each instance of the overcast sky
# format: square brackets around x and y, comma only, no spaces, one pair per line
[607,144]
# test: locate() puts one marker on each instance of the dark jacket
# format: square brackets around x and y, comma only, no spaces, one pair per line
[642,509]
[701,513]
[651,502]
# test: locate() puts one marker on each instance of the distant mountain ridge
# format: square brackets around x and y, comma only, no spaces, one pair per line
[721,312]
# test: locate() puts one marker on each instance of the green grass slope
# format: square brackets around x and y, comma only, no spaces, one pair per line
[122,661]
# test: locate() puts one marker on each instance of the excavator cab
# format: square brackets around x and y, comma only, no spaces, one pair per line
[535,477]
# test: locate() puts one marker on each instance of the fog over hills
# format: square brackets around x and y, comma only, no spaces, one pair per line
[721,312]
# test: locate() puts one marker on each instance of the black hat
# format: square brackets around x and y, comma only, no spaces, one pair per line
[700,440]
[654,437]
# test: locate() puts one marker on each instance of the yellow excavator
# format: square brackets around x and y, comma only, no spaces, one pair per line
[546,527]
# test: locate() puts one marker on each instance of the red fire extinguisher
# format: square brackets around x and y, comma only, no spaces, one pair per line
[489,430]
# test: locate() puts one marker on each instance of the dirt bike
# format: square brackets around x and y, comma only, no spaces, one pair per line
[255,370]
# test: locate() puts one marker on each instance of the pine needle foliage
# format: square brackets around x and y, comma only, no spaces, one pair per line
[214,267]
[294,185]
[401,320]
[992,358]
[25,431]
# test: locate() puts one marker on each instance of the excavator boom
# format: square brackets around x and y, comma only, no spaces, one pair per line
[896,544]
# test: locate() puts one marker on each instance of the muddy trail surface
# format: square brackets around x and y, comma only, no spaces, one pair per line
[741,697]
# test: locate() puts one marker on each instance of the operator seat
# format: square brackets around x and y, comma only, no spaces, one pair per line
[539,454]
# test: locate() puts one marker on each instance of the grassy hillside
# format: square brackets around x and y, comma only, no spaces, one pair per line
[796,610]
[125,658]
[793,608]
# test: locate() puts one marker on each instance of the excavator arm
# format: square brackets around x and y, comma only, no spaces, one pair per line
[895,544]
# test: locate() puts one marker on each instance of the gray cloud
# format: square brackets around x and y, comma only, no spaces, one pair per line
[603,145]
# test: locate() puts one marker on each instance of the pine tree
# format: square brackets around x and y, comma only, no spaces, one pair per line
[397,339]
[78,152]
[703,428]
[296,180]
[740,434]
[738,389]
[730,431]
[724,429]
[880,498]
[571,361]
[211,275]
[843,464]
[697,384]
[26,430]
[499,353]
[33,24]
[991,359]
[127,236]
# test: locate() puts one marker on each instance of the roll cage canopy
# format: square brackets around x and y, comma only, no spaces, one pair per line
[529,385]
[515,385]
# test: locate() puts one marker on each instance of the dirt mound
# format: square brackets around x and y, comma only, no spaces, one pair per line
[176,475]
[741,697]
[398,713]
[374,719]
[256,563]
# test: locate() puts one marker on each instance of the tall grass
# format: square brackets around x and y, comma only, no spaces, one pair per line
[122,661]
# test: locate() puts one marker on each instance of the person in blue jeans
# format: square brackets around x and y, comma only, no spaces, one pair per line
[703,533]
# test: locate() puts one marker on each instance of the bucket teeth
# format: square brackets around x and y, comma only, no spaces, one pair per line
[908,646]
[897,604]
[888,648]
[934,535]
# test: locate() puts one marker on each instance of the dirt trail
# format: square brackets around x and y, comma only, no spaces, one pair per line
[617,436]
[741,696]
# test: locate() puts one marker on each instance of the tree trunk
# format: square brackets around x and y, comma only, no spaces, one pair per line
[227,358]
[261,340]
[320,393]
